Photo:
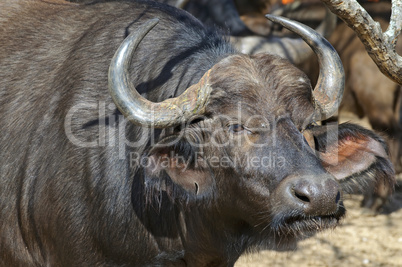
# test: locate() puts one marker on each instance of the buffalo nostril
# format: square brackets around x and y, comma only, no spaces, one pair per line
[338,197]
[312,196]
[301,196]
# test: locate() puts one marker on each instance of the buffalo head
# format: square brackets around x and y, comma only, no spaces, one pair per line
[244,143]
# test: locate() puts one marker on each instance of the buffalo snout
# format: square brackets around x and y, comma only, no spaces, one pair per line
[308,196]
[314,197]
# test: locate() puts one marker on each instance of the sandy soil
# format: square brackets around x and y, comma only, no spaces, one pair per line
[361,240]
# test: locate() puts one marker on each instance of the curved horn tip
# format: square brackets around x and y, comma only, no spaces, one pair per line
[276,18]
[304,31]
[153,21]
[146,27]
[150,24]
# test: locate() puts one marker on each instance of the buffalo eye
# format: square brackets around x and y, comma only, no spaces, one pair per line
[309,127]
[236,128]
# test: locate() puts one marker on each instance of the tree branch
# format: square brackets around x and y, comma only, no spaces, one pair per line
[380,46]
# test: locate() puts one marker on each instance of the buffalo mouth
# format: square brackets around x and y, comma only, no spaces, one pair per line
[300,226]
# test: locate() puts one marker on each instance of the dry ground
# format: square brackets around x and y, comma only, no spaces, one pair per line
[361,240]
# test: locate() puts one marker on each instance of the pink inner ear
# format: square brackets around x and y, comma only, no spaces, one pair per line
[351,156]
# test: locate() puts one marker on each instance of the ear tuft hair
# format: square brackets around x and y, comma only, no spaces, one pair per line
[174,167]
[358,158]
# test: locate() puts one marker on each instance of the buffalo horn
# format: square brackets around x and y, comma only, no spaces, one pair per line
[328,92]
[137,109]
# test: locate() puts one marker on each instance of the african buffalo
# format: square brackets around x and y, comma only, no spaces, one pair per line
[133,136]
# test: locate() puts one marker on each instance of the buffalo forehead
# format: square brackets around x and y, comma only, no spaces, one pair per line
[265,85]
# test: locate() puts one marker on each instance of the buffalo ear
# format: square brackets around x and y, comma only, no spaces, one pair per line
[355,156]
[196,182]
[180,164]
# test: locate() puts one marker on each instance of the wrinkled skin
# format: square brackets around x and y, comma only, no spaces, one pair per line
[73,191]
